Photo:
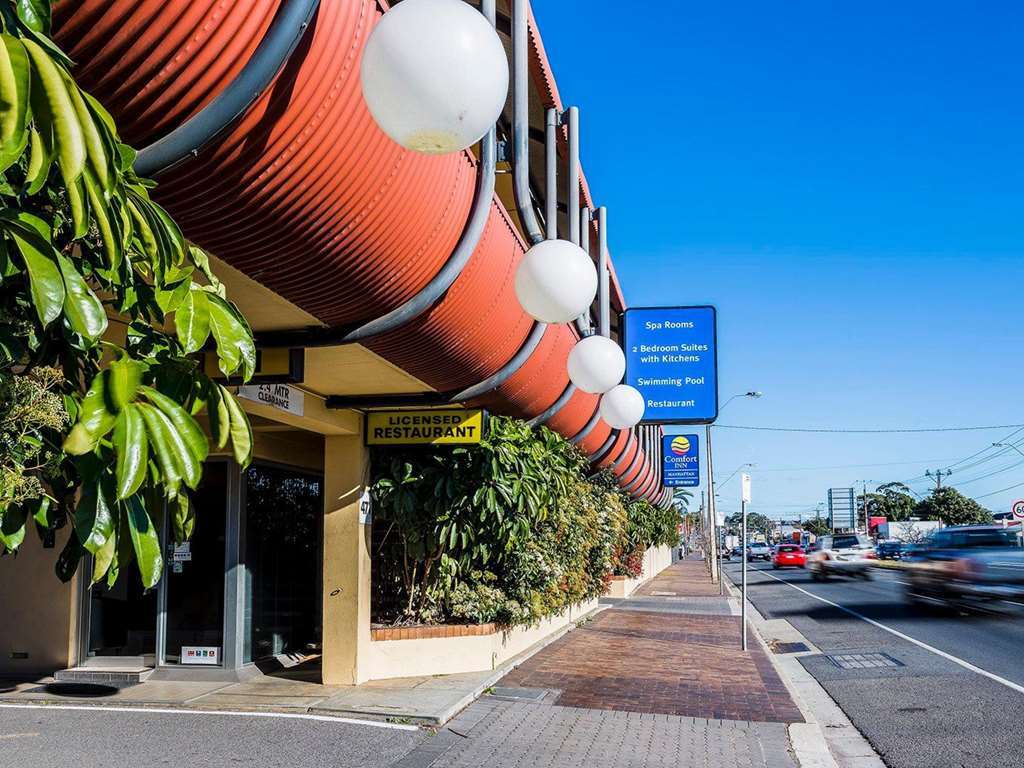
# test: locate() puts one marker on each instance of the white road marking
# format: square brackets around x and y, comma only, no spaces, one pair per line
[948,656]
[17,735]
[216,712]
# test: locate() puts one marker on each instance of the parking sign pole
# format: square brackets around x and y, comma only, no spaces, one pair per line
[744,500]
[743,589]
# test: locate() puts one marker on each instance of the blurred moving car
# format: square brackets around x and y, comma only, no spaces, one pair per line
[788,556]
[890,549]
[965,565]
[758,550]
[841,554]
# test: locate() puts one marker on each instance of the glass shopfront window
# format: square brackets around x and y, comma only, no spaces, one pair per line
[195,577]
[281,539]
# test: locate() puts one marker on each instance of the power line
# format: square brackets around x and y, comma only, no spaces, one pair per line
[843,466]
[867,431]
[1001,490]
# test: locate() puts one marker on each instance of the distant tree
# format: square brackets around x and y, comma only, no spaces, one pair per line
[892,501]
[756,523]
[682,498]
[816,525]
[952,508]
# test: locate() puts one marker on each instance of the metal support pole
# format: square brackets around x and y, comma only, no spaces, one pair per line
[551,173]
[572,118]
[604,296]
[521,121]
[743,590]
[712,510]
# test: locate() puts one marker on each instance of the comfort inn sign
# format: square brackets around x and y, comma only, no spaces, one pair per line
[450,427]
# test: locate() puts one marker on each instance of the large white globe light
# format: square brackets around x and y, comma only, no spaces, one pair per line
[434,75]
[622,407]
[556,281]
[596,364]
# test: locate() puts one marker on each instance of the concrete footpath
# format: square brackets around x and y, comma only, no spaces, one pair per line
[657,679]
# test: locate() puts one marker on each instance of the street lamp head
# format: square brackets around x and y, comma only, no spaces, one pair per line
[753,394]
[556,281]
[622,407]
[434,75]
[596,364]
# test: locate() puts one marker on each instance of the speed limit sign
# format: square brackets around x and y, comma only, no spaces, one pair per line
[1018,509]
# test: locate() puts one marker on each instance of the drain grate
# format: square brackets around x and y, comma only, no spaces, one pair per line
[533,694]
[790,647]
[865,661]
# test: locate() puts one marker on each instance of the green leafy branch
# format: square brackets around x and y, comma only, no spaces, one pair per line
[92,273]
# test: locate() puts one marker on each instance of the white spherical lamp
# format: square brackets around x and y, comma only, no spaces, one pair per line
[556,281]
[434,75]
[596,364]
[622,407]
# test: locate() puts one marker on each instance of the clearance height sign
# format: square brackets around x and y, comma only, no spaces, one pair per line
[449,427]
[681,455]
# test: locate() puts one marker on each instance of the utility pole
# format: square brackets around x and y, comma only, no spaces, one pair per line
[937,476]
[716,574]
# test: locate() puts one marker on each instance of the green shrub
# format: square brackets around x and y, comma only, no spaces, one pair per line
[509,531]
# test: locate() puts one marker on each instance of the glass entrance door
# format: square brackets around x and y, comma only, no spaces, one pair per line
[122,622]
[194,574]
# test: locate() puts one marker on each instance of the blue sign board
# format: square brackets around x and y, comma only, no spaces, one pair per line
[681,457]
[672,358]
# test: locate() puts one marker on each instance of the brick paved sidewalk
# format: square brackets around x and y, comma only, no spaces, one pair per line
[649,682]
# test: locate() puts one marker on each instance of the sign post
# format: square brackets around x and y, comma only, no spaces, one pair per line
[744,500]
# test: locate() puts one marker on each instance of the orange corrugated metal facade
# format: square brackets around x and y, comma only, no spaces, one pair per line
[306,195]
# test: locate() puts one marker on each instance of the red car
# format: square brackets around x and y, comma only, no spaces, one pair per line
[789,556]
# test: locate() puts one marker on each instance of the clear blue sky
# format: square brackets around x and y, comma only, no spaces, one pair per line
[846,183]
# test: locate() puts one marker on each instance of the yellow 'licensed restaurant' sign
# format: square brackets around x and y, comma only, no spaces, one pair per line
[451,427]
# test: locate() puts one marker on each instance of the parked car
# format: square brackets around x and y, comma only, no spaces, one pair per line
[788,556]
[966,565]
[841,554]
[737,552]
[891,549]
[758,550]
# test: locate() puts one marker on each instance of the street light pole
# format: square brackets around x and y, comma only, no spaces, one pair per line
[711,485]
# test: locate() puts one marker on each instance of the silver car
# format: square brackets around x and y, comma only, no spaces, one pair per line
[841,554]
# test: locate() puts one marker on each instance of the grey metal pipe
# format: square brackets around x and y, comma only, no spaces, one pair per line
[580,436]
[606,447]
[280,41]
[489,384]
[573,174]
[558,405]
[435,289]
[551,173]
[603,289]
[521,122]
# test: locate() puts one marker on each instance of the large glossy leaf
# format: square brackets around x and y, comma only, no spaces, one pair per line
[123,380]
[235,347]
[94,418]
[183,519]
[94,522]
[12,527]
[192,320]
[161,446]
[51,102]
[145,542]
[103,558]
[15,76]
[35,14]
[39,161]
[95,146]
[241,431]
[45,281]
[81,306]
[132,448]
[188,428]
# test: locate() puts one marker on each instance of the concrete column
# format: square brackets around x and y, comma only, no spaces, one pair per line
[346,592]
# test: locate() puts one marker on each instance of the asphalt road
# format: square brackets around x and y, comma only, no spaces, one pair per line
[955,699]
[101,737]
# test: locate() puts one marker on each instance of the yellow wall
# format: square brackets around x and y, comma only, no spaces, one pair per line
[346,562]
[39,610]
